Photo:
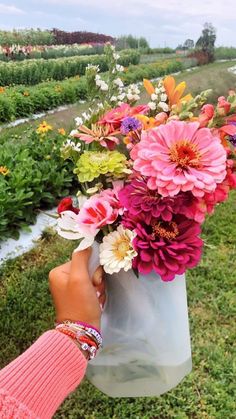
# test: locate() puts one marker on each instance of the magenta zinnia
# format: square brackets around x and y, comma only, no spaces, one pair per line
[168,248]
[180,156]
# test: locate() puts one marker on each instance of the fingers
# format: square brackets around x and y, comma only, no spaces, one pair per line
[98,276]
[79,266]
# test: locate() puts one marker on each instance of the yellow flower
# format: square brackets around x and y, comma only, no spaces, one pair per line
[2,90]
[4,170]
[43,128]
[61,131]
[58,89]
[26,93]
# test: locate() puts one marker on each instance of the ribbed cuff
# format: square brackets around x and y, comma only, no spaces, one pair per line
[45,374]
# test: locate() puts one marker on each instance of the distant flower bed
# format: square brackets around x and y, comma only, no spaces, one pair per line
[18,52]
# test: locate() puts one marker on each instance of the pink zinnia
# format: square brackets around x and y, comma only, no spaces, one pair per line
[95,214]
[168,248]
[115,117]
[180,156]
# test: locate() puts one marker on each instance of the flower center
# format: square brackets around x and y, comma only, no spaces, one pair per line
[185,154]
[121,247]
[98,158]
[167,230]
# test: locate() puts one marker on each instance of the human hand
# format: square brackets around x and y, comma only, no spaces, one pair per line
[76,296]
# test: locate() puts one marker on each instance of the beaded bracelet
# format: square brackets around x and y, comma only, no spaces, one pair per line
[86,336]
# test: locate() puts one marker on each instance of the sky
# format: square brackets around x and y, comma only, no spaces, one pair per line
[162,23]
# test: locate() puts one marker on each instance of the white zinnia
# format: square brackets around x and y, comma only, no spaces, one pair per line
[116,250]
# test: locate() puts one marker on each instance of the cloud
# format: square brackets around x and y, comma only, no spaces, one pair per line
[6,9]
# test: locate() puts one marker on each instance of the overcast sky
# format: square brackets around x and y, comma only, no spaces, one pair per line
[168,22]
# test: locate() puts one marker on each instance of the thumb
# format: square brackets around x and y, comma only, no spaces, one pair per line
[79,266]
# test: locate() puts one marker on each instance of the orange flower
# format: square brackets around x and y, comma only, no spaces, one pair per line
[147,122]
[174,92]
[4,170]
[61,131]
[2,90]
[148,86]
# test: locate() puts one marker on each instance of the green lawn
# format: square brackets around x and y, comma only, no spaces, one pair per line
[208,392]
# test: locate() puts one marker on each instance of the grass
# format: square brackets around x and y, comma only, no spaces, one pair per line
[208,392]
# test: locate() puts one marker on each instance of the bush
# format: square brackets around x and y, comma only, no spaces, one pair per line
[152,70]
[37,178]
[79,37]
[26,37]
[35,71]
[225,53]
[21,101]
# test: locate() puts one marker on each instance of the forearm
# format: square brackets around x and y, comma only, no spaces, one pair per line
[44,375]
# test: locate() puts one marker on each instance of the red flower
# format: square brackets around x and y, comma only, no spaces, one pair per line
[66,204]
[223,105]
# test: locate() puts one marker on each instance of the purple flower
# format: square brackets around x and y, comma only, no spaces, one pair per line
[130,124]
[139,200]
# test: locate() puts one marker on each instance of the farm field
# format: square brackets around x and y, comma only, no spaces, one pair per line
[209,392]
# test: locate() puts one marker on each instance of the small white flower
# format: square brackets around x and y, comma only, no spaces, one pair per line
[119,67]
[116,250]
[121,96]
[163,90]
[100,105]
[116,56]
[86,116]
[152,105]
[118,82]
[163,106]
[79,121]
[163,97]
[99,82]
[73,132]
[104,86]
[130,96]
[157,90]
[136,97]
[153,97]
[113,99]
[97,77]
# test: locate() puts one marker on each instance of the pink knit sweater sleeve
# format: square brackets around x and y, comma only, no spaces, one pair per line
[36,383]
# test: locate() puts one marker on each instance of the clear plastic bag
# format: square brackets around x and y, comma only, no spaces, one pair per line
[145,328]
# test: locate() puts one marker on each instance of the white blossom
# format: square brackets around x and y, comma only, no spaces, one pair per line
[163,106]
[163,97]
[152,105]
[118,82]
[104,86]
[79,121]
[153,97]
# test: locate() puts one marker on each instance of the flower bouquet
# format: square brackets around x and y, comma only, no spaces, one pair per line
[148,176]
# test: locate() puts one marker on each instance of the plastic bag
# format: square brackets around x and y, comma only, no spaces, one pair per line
[146,342]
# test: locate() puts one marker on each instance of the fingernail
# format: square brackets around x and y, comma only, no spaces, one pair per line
[98,294]
[101,307]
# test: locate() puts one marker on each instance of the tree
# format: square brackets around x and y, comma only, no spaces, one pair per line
[189,44]
[206,42]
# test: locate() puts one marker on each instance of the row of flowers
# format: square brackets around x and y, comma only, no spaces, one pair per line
[148,176]
[19,52]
